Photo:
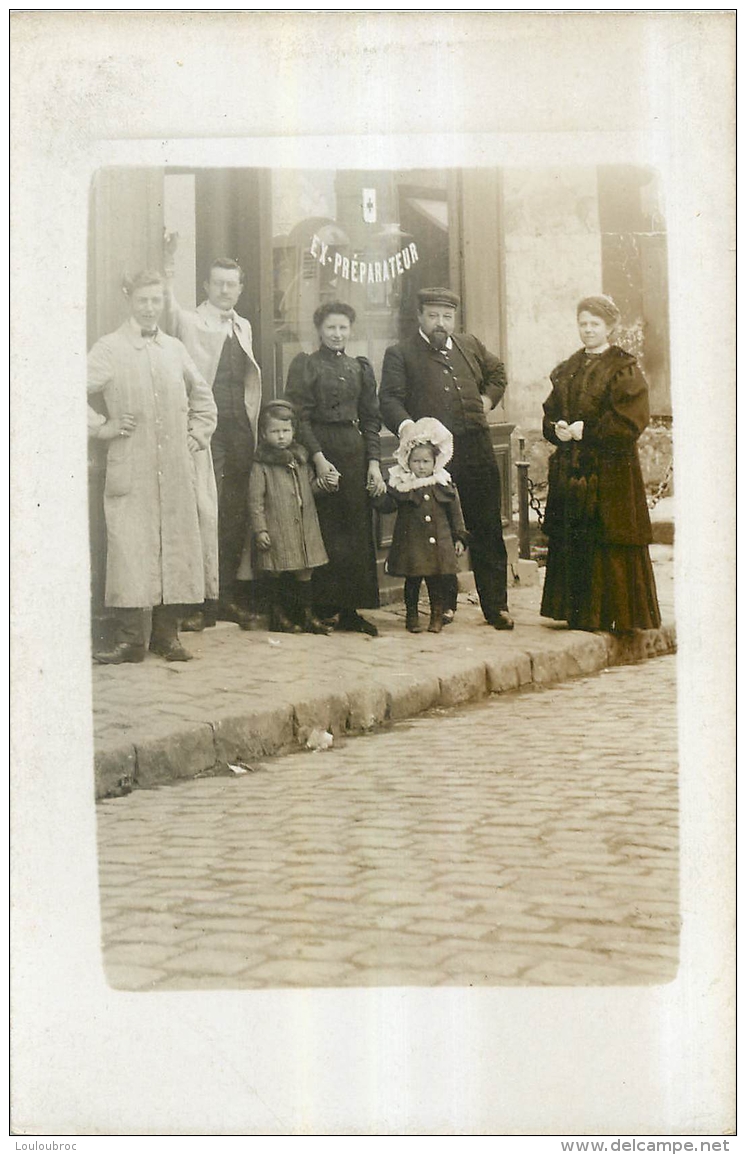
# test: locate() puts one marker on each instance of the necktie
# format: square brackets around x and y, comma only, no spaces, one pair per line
[148,332]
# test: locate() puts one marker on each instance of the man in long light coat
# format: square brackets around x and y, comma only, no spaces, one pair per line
[219,340]
[161,415]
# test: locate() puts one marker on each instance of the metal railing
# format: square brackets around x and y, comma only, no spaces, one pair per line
[527,499]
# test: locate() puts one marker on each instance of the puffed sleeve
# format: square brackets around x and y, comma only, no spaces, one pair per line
[547,425]
[628,413]
[369,413]
[552,413]
[301,393]
[203,413]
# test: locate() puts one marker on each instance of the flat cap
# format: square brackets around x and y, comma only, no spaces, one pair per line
[438,297]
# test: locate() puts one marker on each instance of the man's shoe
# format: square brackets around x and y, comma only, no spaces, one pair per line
[355,623]
[230,612]
[123,652]
[172,651]
[195,623]
[413,622]
[503,621]
[448,616]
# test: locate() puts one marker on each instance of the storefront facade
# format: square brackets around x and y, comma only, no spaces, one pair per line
[521,246]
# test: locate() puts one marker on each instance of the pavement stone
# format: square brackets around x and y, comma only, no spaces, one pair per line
[548,858]
[251,695]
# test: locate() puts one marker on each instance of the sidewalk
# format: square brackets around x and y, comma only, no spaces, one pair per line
[248,695]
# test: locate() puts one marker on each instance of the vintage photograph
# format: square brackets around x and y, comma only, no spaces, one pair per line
[383,453]
[372,450]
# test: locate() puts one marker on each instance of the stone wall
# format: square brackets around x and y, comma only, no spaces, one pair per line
[571,232]
[552,259]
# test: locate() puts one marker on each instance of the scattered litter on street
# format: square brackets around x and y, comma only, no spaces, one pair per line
[319,740]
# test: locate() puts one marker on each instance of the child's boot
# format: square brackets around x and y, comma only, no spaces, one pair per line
[436,619]
[280,620]
[311,623]
[437,606]
[411,600]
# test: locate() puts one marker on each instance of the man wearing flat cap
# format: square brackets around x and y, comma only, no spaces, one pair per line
[455,379]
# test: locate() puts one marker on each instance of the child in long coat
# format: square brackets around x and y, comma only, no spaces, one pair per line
[284,523]
[429,535]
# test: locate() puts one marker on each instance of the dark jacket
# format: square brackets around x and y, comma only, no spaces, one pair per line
[596,483]
[428,522]
[281,502]
[414,383]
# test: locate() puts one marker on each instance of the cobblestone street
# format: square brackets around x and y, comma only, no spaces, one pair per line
[529,839]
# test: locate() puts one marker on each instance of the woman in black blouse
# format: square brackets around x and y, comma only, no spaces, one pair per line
[336,400]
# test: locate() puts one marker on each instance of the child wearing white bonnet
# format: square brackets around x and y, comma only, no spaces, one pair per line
[429,535]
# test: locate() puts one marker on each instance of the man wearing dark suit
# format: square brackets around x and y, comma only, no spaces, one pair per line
[454,378]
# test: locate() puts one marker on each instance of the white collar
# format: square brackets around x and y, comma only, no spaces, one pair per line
[219,317]
[136,328]
[404,481]
[449,343]
[597,352]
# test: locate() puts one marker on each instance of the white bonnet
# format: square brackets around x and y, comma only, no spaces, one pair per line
[426,430]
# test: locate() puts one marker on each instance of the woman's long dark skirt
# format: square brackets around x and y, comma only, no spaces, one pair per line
[600,587]
[350,580]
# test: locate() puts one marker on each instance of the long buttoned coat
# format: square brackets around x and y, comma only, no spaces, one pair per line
[151,500]
[281,503]
[428,522]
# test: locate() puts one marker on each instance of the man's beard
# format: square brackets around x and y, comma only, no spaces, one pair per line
[438,338]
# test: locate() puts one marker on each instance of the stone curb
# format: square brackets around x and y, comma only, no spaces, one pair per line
[197,747]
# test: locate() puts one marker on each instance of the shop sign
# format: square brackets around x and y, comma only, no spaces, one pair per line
[361,271]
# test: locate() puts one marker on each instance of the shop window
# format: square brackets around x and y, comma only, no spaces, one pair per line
[370,239]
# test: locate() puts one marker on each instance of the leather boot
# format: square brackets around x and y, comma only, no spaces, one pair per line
[201,618]
[281,612]
[280,623]
[412,604]
[171,649]
[129,643]
[230,612]
[164,638]
[121,652]
[413,621]
[436,618]
[195,623]
[311,623]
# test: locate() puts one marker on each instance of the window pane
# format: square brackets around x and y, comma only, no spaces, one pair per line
[370,239]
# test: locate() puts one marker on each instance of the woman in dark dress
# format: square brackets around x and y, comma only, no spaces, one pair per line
[598,575]
[336,400]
